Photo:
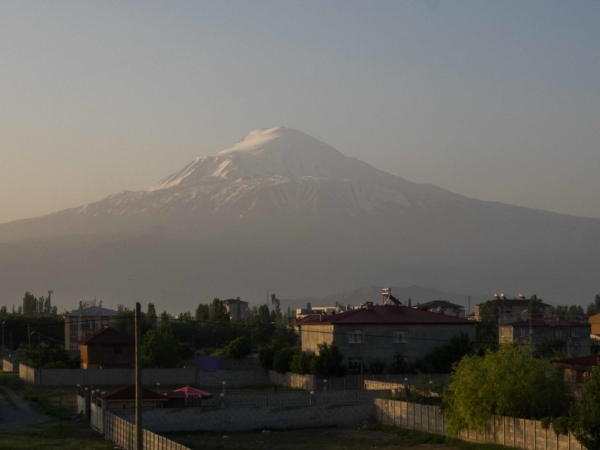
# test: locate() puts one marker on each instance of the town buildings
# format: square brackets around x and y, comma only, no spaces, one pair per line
[382,332]
[574,336]
[81,323]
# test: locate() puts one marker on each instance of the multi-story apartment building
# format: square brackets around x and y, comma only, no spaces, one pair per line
[575,336]
[513,309]
[237,309]
[80,323]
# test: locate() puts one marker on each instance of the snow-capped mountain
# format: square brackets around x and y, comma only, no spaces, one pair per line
[283,211]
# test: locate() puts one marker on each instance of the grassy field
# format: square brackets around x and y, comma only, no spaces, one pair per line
[69,436]
[370,436]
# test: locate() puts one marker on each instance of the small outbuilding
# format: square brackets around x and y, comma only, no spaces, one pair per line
[124,398]
[107,348]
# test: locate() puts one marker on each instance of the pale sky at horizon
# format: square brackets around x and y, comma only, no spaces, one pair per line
[493,100]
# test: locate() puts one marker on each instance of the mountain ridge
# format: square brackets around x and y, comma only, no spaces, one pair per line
[283,211]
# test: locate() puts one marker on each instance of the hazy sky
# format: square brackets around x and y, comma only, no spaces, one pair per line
[495,100]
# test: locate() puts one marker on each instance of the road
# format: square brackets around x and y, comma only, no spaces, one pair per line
[16,413]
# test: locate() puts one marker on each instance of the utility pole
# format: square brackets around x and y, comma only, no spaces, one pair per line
[29,336]
[469,300]
[139,431]
[2,339]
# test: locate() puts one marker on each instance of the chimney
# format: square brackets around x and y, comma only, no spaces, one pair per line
[369,306]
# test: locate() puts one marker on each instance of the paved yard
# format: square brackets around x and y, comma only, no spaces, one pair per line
[311,439]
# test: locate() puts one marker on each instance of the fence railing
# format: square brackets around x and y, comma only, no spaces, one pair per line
[122,433]
[348,382]
[508,431]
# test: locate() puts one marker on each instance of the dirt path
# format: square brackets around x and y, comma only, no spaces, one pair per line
[16,413]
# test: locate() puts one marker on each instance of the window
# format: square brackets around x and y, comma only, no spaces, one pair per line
[575,332]
[523,332]
[73,319]
[577,352]
[74,347]
[355,337]
[354,363]
[73,333]
[557,334]
[105,321]
[504,332]
[400,337]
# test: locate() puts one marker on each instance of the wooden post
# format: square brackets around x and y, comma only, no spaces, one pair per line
[139,440]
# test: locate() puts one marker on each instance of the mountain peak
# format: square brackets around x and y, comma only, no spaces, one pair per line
[271,152]
[279,139]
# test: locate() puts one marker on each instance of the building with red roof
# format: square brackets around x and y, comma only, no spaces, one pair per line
[382,332]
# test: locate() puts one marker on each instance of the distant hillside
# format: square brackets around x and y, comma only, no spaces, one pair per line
[284,212]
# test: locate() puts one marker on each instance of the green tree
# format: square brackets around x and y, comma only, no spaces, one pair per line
[302,363]
[265,356]
[508,382]
[585,422]
[329,361]
[282,359]
[151,315]
[534,309]
[487,327]
[202,313]
[46,356]
[218,312]
[238,348]
[160,348]
[442,359]
[409,302]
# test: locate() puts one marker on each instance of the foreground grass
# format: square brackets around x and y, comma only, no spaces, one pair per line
[71,436]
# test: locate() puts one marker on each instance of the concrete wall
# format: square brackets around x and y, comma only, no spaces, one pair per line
[508,431]
[9,366]
[240,419]
[123,377]
[293,380]
[377,340]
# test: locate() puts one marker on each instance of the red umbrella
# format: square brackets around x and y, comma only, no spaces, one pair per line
[188,391]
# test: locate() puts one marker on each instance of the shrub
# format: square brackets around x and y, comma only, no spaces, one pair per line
[238,348]
[561,425]
[283,358]
[586,412]
[265,356]
[546,422]
[329,361]
[376,366]
[302,363]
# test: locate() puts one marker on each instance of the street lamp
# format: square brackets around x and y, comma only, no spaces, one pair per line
[158,387]
[224,387]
